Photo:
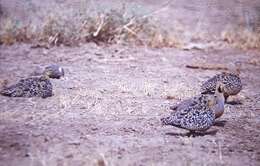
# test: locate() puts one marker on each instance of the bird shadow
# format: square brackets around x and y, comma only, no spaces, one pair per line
[193,134]
[220,123]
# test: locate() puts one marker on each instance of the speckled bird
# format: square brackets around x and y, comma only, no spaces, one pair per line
[38,86]
[53,71]
[198,114]
[232,84]
[218,95]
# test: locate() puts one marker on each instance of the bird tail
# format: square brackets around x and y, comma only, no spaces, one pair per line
[5,92]
[8,91]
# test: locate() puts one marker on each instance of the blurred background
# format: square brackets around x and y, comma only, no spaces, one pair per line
[176,23]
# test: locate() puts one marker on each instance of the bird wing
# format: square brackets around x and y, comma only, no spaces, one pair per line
[185,103]
[198,119]
[209,86]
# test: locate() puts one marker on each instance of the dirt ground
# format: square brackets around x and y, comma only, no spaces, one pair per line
[107,109]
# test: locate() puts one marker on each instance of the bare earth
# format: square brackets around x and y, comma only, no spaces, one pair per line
[107,109]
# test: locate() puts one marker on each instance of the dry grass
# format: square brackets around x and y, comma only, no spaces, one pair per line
[113,26]
[241,38]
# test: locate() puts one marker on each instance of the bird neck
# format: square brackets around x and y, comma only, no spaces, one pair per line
[219,107]
[220,98]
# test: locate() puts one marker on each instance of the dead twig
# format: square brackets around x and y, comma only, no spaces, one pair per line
[207,67]
[133,21]
[169,97]
[164,6]
[40,45]
[53,39]
[100,26]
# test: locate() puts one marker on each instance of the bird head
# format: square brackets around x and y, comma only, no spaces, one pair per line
[61,70]
[54,71]
[220,87]
[237,68]
[219,91]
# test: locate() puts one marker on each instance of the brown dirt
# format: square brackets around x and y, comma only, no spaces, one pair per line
[106,110]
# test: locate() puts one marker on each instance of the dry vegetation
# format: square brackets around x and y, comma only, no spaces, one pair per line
[113,26]
[242,38]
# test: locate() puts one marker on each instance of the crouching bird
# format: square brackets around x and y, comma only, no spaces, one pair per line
[53,71]
[35,86]
[199,114]
[231,81]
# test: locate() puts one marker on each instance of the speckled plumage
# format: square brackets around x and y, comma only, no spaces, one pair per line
[197,113]
[218,108]
[30,87]
[197,116]
[232,84]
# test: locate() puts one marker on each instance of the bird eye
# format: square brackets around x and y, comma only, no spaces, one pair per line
[220,89]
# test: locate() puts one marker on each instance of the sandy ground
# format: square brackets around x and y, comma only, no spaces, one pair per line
[106,110]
